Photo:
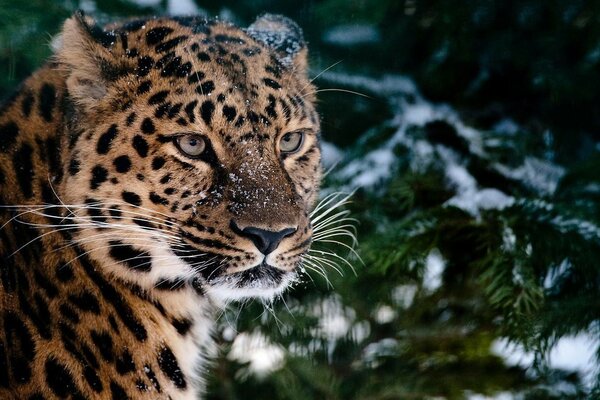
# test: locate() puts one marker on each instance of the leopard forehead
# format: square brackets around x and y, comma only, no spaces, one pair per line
[180,66]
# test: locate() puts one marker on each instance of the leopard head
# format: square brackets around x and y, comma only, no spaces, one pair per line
[193,151]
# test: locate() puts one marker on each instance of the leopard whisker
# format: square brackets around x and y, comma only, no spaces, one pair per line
[310,265]
[326,262]
[326,69]
[336,90]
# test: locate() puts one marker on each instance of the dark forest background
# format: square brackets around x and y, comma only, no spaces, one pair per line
[475,157]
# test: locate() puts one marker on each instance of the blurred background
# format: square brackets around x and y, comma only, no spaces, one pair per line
[470,133]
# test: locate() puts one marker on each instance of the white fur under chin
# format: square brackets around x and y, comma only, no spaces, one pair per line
[226,289]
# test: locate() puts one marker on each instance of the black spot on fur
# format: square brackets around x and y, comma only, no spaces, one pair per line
[131,198]
[183,70]
[59,379]
[158,97]
[117,392]
[85,301]
[229,113]
[171,67]
[8,136]
[47,101]
[122,164]
[143,223]
[106,139]
[229,39]
[69,313]
[64,272]
[140,145]
[150,374]
[202,56]
[144,87]
[157,163]
[156,35]
[148,126]
[27,103]
[271,83]
[168,45]
[252,117]
[168,364]
[206,111]
[130,119]
[182,325]
[141,386]
[113,323]
[104,344]
[165,179]
[99,175]
[274,70]
[125,363]
[23,167]
[134,259]
[92,379]
[196,77]
[162,110]
[157,199]
[189,110]
[144,66]
[18,336]
[174,111]
[54,158]
[206,88]
[270,109]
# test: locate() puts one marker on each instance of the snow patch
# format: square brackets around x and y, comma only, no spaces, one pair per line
[535,173]
[147,3]
[262,355]
[330,154]
[497,396]
[404,295]
[434,270]
[352,35]
[573,353]
[384,314]
[468,196]
[370,170]
[183,7]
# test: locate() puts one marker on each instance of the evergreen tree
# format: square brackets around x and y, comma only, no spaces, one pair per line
[478,221]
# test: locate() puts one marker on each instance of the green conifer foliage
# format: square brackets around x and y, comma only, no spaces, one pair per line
[476,198]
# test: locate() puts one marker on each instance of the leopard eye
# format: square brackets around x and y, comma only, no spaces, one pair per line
[291,142]
[191,145]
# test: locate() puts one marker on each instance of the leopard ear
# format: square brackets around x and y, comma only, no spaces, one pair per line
[88,55]
[284,36]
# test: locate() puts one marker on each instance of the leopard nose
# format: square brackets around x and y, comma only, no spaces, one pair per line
[265,241]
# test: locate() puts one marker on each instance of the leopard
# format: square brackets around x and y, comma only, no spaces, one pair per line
[152,172]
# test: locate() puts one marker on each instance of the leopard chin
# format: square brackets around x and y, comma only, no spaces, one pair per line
[263,282]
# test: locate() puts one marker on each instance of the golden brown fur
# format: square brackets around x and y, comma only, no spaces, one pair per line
[117,247]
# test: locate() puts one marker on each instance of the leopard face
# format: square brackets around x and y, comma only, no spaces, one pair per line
[193,156]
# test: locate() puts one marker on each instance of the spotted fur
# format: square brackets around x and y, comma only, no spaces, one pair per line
[117,248]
